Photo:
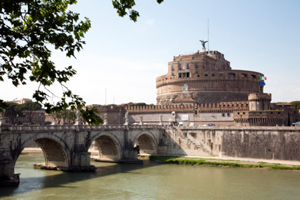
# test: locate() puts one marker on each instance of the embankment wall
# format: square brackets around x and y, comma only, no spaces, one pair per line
[279,143]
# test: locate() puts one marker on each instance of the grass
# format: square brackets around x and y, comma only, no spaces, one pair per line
[219,163]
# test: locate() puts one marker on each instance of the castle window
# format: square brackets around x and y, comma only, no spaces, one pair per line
[187,66]
[196,70]
[253,76]
[221,74]
[172,67]
[223,114]
[228,114]
[179,75]
[230,75]
[179,66]
[172,73]
[196,65]
[243,75]
[205,75]
[198,75]
[213,75]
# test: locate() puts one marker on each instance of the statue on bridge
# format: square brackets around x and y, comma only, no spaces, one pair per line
[54,119]
[2,118]
[126,119]
[78,118]
[105,119]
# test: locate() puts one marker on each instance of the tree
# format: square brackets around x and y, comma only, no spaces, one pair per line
[29,109]
[67,116]
[296,104]
[12,113]
[28,29]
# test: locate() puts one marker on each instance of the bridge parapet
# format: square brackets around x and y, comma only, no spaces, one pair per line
[37,128]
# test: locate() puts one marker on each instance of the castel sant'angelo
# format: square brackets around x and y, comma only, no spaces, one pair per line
[202,89]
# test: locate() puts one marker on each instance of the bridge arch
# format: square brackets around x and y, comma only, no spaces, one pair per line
[55,150]
[146,142]
[109,147]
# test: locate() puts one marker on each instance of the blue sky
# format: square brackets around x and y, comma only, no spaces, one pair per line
[126,57]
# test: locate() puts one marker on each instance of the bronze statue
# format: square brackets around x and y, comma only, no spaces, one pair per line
[203,43]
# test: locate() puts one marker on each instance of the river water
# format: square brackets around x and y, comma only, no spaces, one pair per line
[151,181]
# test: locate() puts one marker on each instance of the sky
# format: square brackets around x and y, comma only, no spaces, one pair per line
[124,58]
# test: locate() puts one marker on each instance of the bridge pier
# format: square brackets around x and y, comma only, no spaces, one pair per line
[7,173]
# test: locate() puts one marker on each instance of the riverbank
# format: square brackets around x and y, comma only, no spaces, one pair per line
[207,161]
[229,162]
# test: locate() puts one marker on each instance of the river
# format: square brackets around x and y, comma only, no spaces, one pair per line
[151,181]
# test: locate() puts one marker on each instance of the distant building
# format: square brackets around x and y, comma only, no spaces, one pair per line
[202,89]
[30,116]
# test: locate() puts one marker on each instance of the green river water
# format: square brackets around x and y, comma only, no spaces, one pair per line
[151,181]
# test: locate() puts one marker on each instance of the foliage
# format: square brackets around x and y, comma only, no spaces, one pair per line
[28,109]
[3,105]
[29,29]
[296,104]
[12,112]
[124,7]
[16,111]
[68,116]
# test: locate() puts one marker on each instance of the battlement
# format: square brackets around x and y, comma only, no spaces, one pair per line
[259,96]
[204,107]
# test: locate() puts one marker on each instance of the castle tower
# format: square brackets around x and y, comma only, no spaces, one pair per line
[259,101]
[205,77]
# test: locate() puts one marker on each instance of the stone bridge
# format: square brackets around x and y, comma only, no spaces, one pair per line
[66,147]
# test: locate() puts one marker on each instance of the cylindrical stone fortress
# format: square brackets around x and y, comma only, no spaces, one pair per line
[205,77]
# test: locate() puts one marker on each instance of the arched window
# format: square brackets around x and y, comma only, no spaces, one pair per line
[230,75]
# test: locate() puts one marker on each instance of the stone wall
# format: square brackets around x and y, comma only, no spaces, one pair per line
[279,143]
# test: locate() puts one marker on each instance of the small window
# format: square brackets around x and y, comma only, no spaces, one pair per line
[228,114]
[243,75]
[196,65]
[179,75]
[198,75]
[172,67]
[205,75]
[172,73]
[221,74]
[188,75]
[243,113]
[213,75]
[187,66]
[223,114]
[253,76]
[179,66]
[238,113]
[231,75]
[196,70]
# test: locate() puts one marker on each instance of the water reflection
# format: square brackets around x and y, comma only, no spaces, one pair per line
[152,181]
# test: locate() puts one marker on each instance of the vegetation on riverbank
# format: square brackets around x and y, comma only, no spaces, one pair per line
[221,163]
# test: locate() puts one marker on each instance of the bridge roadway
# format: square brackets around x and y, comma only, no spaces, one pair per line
[66,147]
